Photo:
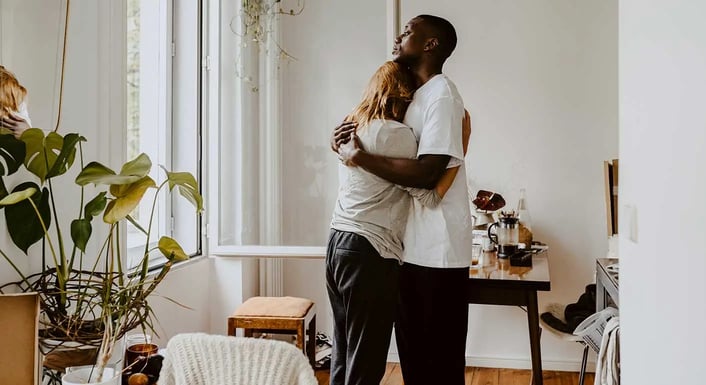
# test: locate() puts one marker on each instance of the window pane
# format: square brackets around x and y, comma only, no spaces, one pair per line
[163,91]
[186,131]
[147,111]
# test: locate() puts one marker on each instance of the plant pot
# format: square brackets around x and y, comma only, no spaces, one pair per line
[81,375]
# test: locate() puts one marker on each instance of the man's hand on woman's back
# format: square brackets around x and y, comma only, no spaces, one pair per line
[16,124]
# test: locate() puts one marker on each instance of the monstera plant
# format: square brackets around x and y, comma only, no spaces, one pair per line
[88,298]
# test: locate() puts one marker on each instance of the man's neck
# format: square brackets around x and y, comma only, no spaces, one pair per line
[425,71]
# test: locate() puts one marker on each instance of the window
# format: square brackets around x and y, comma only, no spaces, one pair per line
[163,113]
[247,141]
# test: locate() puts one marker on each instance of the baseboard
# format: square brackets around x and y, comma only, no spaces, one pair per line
[508,363]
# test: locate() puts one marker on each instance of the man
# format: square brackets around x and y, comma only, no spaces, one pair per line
[433,313]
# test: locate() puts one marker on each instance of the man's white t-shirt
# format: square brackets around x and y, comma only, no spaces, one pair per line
[440,236]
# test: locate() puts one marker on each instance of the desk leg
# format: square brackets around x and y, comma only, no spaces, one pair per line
[600,294]
[533,321]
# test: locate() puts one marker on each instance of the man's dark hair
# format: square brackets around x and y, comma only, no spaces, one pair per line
[443,31]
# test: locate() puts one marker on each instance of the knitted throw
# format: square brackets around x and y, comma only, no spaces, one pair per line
[201,359]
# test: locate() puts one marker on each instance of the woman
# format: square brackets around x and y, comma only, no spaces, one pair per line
[14,118]
[365,245]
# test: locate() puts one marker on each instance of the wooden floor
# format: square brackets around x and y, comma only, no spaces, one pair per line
[482,376]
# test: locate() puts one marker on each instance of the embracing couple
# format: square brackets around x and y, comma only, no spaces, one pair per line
[398,252]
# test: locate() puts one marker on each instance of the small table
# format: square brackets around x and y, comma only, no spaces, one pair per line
[607,284]
[498,283]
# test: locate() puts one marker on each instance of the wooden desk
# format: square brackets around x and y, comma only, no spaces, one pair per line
[498,283]
[607,284]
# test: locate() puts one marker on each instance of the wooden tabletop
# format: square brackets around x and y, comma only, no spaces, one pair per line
[497,271]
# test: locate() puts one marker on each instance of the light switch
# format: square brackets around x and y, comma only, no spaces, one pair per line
[630,215]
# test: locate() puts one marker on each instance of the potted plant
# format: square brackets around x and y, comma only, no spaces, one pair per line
[86,300]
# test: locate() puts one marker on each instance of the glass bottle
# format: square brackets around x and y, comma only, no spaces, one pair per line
[525,220]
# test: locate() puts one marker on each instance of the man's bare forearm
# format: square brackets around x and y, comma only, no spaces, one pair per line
[421,173]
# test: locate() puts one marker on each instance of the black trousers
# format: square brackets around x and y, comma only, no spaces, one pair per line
[362,288]
[432,325]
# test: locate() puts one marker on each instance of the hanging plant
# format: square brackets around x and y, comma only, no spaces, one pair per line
[255,24]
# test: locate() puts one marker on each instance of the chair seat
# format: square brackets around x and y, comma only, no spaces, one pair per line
[288,315]
[279,307]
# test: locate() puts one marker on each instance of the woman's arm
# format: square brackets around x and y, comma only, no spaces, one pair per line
[432,198]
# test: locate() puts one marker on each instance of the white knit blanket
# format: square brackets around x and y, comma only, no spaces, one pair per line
[608,360]
[201,359]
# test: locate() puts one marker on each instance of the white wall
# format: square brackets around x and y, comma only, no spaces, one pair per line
[232,281]
[36,71]
[181,302]
[540,80]
[663,176]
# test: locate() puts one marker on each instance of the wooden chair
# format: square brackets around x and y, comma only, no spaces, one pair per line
[281,315]
[571,338]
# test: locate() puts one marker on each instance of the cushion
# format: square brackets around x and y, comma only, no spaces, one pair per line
[286,307]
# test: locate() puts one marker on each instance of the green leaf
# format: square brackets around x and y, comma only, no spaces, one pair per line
[42,151]
[18,196]
[188,187]
[136,224]
[131,172]
[127,197]
[95,206]
[81,233]
[171,249]
[22,222]
[140,166]
[66,156]
[97,173]
[13,151]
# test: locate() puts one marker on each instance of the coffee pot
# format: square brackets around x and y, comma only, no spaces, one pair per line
[507,235]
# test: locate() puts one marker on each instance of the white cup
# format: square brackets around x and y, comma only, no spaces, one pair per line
[80,376]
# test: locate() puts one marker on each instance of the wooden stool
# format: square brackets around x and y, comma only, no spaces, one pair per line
[285,315]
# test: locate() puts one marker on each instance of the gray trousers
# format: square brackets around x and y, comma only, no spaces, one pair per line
[362,288]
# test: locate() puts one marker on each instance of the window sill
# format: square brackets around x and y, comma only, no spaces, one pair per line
[275,252]
[154,270]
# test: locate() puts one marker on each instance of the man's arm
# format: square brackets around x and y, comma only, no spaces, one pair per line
[423,172]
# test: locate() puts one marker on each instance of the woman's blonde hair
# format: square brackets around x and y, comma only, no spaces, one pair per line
[387,96]
[12,94]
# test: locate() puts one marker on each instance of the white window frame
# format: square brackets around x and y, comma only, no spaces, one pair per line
[166,205]
[270,183]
